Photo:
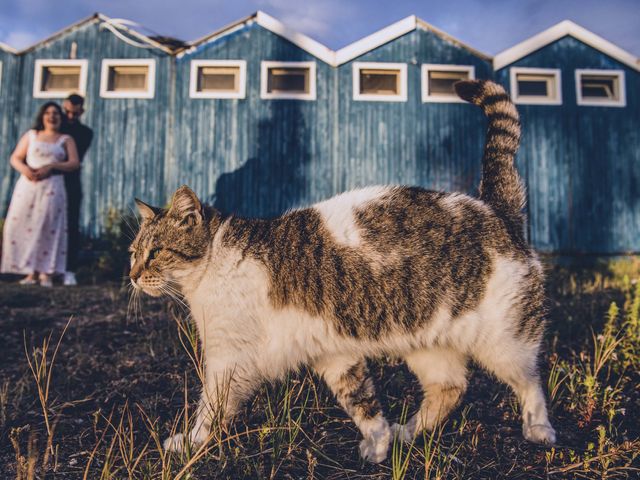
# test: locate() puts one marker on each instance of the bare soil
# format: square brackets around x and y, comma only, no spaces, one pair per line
[111,364]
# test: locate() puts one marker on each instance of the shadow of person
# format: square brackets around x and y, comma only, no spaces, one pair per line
[275,179]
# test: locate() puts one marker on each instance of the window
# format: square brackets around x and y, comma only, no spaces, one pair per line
[128,78]
[218,79]
[0,76]
[438,80]
[603,88]
[59,78]
[536,86]
[383,82]
[288,80]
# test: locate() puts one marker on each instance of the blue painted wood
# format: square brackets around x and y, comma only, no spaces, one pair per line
[582,163]
[9,95]
[261,157]
[127,156]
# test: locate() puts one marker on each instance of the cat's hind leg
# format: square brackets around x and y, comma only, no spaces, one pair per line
[349,380]
[515,362]
[442,372]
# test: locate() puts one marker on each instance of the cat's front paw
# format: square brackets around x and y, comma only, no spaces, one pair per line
[177,443]
[374,447]
[541,433]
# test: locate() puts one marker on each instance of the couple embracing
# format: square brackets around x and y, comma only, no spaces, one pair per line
[41,235]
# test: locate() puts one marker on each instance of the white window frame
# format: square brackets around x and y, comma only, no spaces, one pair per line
[39,66]
[401,96]
[621,102]
[242,80]
[453,98]
[128,62]
[264,81]
[535,100]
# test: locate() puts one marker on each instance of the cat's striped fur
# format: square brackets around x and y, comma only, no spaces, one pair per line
[435,278]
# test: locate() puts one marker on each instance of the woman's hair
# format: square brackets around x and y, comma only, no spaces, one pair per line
[38,124]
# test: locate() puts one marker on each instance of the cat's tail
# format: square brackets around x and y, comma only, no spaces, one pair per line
[501,186]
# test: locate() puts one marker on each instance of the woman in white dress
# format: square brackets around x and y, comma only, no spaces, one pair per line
[35,229]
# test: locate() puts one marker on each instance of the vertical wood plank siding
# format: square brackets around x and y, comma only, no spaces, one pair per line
[582,163]
[127,155]
[9,95]
[261,157]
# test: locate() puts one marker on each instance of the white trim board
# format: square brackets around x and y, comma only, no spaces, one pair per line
[424,82]
[580,100]
[242,79]
[401,96]
[370,42]
[7,48]
[530,99]
[264,78]
[150,92]
[556,32]
[41,63]
[324,53]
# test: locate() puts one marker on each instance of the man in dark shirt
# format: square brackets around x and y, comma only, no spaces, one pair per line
[73,107]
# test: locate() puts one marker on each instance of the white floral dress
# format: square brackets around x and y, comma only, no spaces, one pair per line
[35,229]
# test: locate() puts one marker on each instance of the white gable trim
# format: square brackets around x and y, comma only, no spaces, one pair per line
[7,48]
[556,32]
[320,51]
[375,40]
[306,43]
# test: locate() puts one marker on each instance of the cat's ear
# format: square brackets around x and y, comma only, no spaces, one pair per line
[147,212]
[186,206]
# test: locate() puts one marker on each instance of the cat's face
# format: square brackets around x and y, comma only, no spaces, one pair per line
[169,244]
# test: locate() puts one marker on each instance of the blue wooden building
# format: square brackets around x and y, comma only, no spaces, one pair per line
[9,94]
[579,98]
[259,118]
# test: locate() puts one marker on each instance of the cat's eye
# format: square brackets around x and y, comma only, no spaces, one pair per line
[154,253]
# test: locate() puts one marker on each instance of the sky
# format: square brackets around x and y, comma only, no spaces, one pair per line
[489,26]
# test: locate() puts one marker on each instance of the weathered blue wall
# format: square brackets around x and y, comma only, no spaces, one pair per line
[9,95]
[259,157]
[435,145]
[253,156]
[127,156]
[581,163]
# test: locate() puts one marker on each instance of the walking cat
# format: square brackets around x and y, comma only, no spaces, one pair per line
[434,278]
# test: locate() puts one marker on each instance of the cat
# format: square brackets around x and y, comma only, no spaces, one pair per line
[434,278]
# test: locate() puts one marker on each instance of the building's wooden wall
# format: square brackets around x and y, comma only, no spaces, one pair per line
[260,157]
[581,163]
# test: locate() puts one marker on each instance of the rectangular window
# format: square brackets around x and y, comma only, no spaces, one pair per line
[288,80]
[59,78]
[536,86]
[128,78]
[604,88]
[218,79]
[438,80]
[382,82]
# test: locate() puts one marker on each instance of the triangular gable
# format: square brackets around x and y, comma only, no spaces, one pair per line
[555,33]
[324,53]
[115,26]
[6,48]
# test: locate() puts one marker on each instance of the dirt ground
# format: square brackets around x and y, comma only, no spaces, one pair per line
[121,379]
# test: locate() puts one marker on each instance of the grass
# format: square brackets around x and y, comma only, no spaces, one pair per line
[86,391]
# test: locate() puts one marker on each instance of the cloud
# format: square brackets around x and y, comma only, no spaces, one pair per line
[20,39]
[316,18]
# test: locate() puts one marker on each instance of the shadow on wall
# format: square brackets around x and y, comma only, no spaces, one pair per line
[274,180]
